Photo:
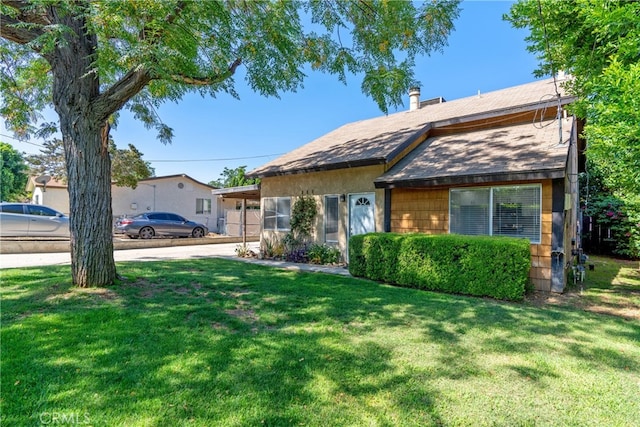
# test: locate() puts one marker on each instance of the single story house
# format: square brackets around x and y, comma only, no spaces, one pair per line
[498,163]
[179,194]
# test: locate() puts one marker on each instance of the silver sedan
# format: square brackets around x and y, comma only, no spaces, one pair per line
[152,224]
[29,220]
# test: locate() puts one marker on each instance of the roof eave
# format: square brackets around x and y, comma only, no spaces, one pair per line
[320,168]
[473,179]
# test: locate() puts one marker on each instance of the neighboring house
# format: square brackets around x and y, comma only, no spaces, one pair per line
[179,194]
[53,194]
[499,163]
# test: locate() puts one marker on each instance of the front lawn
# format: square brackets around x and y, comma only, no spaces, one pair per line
[214,342]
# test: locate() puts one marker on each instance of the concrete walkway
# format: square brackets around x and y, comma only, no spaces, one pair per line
[221,250]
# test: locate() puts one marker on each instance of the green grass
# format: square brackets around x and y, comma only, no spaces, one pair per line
[215,342]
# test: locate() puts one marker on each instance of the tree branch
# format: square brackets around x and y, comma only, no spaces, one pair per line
[10,29]
[169,19]
[207,81]
[120,92]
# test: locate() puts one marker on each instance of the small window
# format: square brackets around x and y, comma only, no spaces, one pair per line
[40,210]
[174,217]
[331,219]
[277,213]
[203,206]
[157,217]
[15,209]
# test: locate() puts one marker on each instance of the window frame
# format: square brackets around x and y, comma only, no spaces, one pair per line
[491,212]
[201,204]
[326,216]
[277,215]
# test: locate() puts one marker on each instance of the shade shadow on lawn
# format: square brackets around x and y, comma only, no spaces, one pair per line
[204,342]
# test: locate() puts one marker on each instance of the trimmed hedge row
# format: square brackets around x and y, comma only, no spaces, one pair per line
[496,267]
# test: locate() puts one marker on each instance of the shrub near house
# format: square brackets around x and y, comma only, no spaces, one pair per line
[496,267]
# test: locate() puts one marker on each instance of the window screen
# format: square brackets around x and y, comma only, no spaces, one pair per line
[469,211]
[331,219]
[516,212]
[277,213]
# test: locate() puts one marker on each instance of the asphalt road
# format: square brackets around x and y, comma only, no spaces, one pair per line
[151,254]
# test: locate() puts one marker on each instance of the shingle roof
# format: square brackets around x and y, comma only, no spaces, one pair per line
[525,151]
[378,140]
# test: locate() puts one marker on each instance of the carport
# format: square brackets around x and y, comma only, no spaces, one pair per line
[244,193]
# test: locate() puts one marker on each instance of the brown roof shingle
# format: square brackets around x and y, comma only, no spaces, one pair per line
[378,140]
[517,152]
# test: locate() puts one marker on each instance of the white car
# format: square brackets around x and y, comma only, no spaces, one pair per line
[29,220]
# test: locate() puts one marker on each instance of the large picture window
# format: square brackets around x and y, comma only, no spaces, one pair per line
[277,213]
[331,219]
[496,211]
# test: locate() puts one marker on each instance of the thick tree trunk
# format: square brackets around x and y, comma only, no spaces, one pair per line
[85,137]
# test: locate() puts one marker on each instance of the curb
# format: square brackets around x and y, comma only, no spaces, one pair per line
[48,246]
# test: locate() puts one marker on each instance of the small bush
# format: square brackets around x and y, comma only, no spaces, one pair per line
[323,254]
[272,248]
[497,267]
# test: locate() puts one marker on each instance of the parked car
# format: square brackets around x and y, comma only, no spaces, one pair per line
[151,224]
[29,220]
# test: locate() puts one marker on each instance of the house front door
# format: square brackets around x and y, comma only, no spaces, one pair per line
[361,213]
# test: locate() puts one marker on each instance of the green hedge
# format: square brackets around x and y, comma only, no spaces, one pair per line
[496,267]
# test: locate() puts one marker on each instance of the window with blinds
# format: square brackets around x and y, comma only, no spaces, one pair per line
[331,219]
[277,213]
[513,211]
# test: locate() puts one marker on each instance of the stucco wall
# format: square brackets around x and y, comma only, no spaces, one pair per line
[165,195]
[427,211]
[54,197]
[320,184]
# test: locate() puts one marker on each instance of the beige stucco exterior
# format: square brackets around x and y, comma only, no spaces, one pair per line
[327,183]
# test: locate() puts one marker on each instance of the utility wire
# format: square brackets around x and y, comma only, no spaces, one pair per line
[213,160]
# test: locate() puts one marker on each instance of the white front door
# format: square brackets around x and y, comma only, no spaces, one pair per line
[361,213]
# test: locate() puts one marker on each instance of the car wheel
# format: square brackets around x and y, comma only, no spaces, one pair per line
[198,232]
[146,233]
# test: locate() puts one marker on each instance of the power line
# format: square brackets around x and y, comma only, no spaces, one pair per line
[167,161]
[22,141]
[213,160]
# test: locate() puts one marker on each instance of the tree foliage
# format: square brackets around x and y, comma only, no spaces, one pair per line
[597,42]
[127,165]
[13,174]
[233,178]
[89,59]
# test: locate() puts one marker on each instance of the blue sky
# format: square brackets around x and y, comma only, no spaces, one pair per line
[484,54]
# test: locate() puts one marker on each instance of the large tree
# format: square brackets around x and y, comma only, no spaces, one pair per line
[598,43]
[13,174]
[89,59]
[127,165]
